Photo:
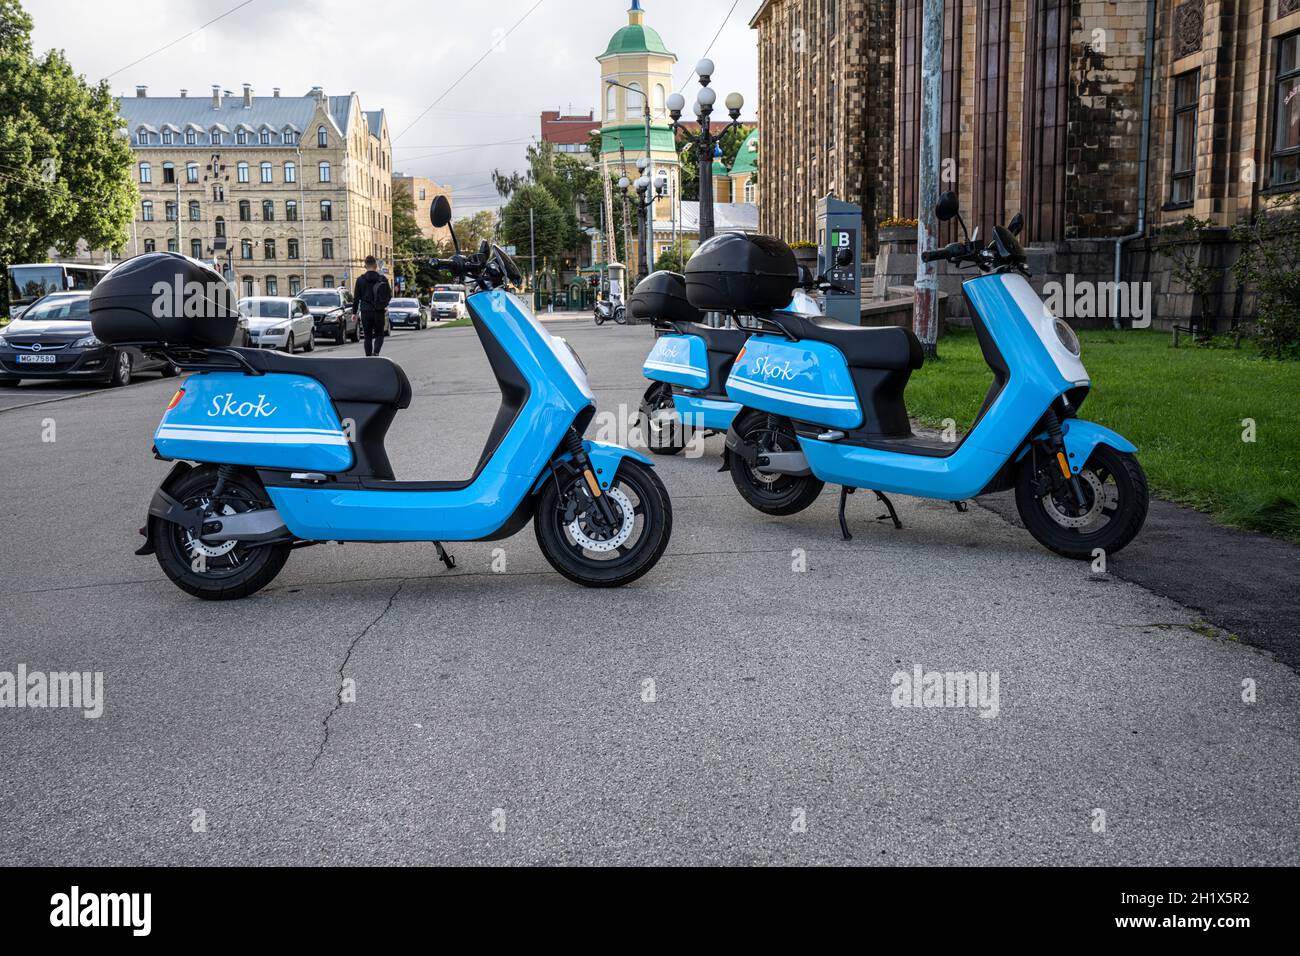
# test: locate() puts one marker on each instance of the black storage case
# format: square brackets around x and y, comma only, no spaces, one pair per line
[661,296]
[166,299]
[739,273]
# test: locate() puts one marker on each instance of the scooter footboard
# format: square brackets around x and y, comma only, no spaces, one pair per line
[961,475]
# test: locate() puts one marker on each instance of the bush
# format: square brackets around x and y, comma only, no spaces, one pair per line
[1269,264]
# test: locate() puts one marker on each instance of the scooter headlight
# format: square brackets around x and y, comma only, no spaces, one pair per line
[1067,336]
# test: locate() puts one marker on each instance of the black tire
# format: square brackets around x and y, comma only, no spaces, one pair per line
[122,363]
[651,527]
[600,319]
[237,573]
[288,345]
[311,342]
[661,438]
[1124,499]
[9,382]
[770,494]
[341,336]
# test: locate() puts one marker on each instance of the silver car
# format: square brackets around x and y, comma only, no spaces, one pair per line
[279,322]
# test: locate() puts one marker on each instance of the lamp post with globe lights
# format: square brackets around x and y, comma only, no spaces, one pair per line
[705,140]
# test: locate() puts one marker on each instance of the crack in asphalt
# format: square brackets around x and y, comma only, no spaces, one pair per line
[338,698]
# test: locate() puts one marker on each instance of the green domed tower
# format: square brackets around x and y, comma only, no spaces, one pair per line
[637,58]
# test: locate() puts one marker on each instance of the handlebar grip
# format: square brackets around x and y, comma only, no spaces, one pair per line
[931,255]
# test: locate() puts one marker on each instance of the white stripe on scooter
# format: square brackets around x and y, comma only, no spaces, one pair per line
[264,436]
[251,428]
[790,394]
[670,367]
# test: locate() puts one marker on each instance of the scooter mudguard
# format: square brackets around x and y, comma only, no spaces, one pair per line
[1081,438]
[707,413]
[263,421]
[808,381]
[605,459]
[678,360]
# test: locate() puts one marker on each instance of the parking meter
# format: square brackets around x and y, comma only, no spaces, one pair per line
[839,231]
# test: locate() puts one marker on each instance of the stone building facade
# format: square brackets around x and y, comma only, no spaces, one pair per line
[281,192]
[423,192]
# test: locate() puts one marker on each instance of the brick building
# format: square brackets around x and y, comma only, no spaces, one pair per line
[289,192]
[423,192]
[569,133]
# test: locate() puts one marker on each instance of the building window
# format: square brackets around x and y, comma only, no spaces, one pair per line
[322,137]
[291,210]
[266,172]
[272,286]
[611,102]
[191,172]
[295,282]
[324,172]
[191,138]
[218,193]
[196,248]
[268,210]
[241,137]
[290,173]
[1187,89]
[660,99]
[146,173]
[142,137]
[635,100]
[245,211]
[220,227]
[169,173]
[170,210]
[171,245]
[327,248]
[327,281]
[292,251]
[268,248]
[245,248]
[150,246]
[166,137]
[326,211]
[216,137]
[146,211]
[749,191]
[266,137]
[1286,117]
[194,210]
[422,196]
[241,172]
[248,285]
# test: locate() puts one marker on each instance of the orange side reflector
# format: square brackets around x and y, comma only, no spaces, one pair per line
[741,354]
[1065,466]
[176,399]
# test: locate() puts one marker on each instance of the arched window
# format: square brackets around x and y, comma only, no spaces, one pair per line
[268,210]
[241,138]
[290,173]
[635,99]
[169,173]
[266,137]
[191,138]
[291,210]
[322,137]
[611,102]
[660,99]
[324,172]
[146,211]
[215,136]
[195,211]
[142,136]
[241,172]
[196,248]
[166,137]
[146,173]
[266,172]
[326,210]
[245,211]
[191,172]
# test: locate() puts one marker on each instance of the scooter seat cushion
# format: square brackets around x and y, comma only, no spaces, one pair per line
[375,381]
[730,341]
[887,347]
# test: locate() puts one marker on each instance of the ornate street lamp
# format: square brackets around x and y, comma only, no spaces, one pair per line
[705,140]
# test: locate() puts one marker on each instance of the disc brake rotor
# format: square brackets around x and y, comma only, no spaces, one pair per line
[580,527]
[1095,506]
[198,547]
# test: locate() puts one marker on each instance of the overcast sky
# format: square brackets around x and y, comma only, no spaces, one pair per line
[401,55]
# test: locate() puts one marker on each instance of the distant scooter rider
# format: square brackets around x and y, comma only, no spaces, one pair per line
[370,301]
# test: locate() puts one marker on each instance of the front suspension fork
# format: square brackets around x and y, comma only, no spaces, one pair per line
[582,462]
[1057,439]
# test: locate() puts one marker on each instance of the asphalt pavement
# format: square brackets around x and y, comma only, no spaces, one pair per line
[736,705]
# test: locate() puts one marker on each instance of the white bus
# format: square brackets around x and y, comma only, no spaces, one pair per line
[29,282]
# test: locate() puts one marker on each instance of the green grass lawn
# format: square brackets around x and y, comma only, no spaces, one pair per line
[1182,407]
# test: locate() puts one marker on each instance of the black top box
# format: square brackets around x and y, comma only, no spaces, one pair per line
[661,297]
[162,298]
[738,273]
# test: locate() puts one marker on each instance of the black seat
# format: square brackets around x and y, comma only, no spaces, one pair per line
[730,341]
[887,347]
[371,381]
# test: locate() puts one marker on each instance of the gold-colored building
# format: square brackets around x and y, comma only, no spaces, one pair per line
[423,192]
[281,192]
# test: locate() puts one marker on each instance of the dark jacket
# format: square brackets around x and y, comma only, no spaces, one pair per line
[372,293]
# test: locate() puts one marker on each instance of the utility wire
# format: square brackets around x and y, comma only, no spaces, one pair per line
[179,39]
[711,42]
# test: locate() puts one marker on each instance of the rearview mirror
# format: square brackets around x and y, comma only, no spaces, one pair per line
[946,208]
[440,212]
[1016,224]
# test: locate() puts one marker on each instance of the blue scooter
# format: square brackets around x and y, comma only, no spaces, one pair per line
[824,403]
[289,451]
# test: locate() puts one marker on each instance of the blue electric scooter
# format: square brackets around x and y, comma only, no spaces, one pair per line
[824,403]
[289,451]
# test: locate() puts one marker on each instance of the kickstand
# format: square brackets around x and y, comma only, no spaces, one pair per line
[845,491]
[893,515]
[962,507]
[443,556]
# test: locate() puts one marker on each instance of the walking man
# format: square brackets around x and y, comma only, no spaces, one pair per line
[370,300]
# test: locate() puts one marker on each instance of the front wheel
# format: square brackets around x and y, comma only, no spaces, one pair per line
[600,319]
[620,316]
[585,548]
[661,424]
[770,493]
[1115,500]
[216,570]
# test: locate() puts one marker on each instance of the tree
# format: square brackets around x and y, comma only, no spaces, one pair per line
[473,231]
[409,244]
[731,142]
[65,160]
[1270,265]
[575,186]
[674,258]
[544,232]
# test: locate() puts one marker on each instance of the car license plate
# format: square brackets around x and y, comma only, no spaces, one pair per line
[36,359]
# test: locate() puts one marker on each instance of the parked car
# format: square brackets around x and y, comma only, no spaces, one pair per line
[331,310]
[279,322]
[54,340]
[407,313]
[448,305]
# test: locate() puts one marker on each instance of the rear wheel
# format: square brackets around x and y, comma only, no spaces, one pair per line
[584,548]
[1113,511]
[620,315]
[311,342]
[216,570]
[341,336]
[771,494]
[121,370]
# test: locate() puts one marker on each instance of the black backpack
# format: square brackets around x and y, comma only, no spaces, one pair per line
[378,294]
